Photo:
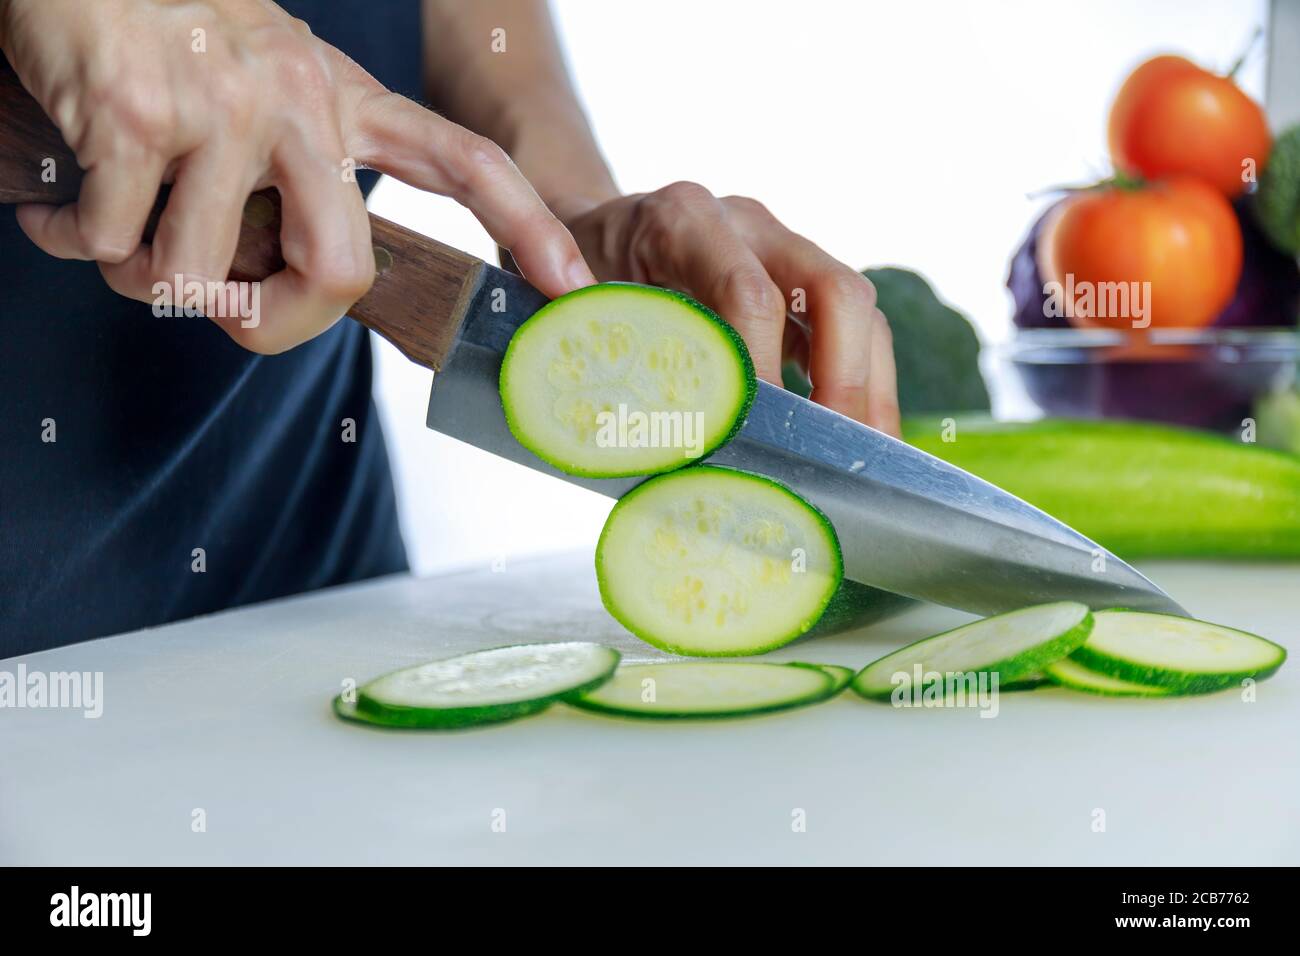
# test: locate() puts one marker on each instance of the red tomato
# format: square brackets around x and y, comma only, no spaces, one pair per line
[1104,245]
[1172,118]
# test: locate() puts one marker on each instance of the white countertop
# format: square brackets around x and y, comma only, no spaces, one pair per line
[230,715]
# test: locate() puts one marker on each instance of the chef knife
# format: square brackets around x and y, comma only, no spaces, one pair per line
[907,522]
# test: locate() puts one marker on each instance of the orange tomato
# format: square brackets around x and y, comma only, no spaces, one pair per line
[1173,118]
[1180,236]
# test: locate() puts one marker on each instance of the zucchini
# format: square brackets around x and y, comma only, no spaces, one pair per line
[1138,489]
[503,683]
[1014,646]
[1182,655]
[617,379]
[1068,672]
[707,689]
[715,562]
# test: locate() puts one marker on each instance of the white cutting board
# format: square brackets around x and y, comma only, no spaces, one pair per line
[229,715]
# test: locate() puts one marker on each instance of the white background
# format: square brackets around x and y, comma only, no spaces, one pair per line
[890,133]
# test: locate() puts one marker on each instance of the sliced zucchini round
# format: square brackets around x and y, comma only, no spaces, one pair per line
[1185,656]
[482,687]
[707,689]
[714,562]
[1068,672]
[619,379]
[1014,646]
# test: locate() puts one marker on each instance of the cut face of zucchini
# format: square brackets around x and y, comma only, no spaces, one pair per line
[707,689]
[619,379]
[1185,656]
[482,687]
[1068,672]
[1014,646]
[715,562]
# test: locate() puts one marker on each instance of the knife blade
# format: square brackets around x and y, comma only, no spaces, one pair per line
[907,521]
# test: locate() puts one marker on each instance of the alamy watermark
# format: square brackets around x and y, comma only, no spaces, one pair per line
[216,300]
[75,690]
[922,688]
[1098,300]
[629,428]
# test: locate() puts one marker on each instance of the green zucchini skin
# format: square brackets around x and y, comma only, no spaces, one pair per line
[1175,682]
[1140,490]
[1080,678]
[839,674]
[815,696]
[661,638]
[732,337]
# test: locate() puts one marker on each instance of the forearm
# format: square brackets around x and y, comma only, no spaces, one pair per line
[513,87]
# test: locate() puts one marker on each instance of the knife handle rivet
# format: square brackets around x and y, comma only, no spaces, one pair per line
[383,260]
[259,212]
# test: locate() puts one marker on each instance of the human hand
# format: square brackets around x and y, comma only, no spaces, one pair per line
[737,258]
[224,97]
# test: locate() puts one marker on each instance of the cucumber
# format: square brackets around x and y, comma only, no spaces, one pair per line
[707,689]
[1182,655]
[619,379]
[482,687]
[1139,490]
[1068,672]
[1015,646]
[715,562]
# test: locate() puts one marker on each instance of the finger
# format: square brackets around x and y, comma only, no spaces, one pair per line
[199,229]
[882,379]
[839,303]
[683,238]
[401,138]
[107,220]
[325,241]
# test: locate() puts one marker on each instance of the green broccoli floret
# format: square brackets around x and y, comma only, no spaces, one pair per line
[1277,203]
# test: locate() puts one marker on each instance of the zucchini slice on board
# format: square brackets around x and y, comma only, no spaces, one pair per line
[619,379]
[715,562]
[1068,672]
[482,687]
[1185,656]
[707,689]
[1014,645]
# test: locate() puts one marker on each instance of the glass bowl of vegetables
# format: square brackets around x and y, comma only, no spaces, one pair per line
[1203,378]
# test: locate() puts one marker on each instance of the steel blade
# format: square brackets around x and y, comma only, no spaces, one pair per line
[907,521]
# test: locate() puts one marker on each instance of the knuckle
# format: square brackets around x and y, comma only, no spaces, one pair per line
[343,278]
[851,288]
[233,96]
[754,293]
[683,193]
[473,159]
[300,67]
[748,207]
[144,111]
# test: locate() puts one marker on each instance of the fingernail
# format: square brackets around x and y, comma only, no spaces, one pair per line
[579,275]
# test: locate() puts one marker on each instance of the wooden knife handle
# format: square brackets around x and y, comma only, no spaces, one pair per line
[421,286]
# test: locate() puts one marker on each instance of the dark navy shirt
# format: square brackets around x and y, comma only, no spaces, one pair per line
[170,438]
